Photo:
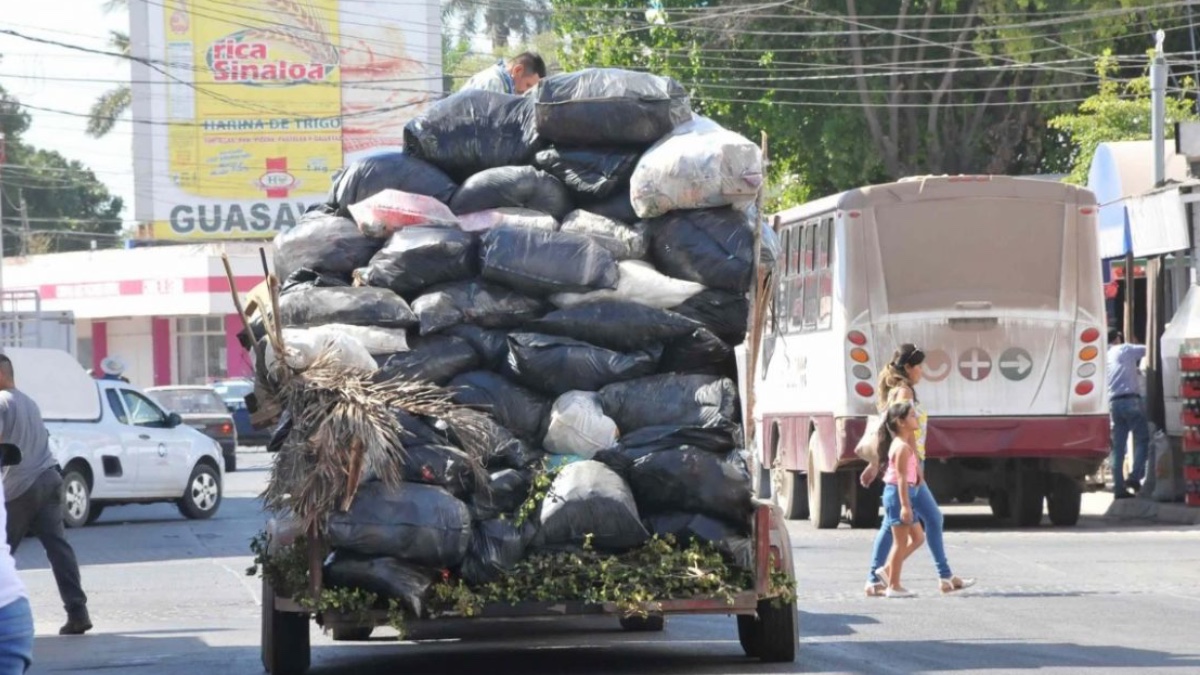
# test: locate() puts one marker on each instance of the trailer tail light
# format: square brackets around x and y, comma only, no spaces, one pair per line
[864,390]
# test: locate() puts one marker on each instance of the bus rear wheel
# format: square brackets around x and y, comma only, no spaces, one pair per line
[790,493]
[1027,497]
[824,501]
[1064,500]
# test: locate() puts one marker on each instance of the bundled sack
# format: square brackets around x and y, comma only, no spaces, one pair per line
[557,365]
[516,408]
[435,358]
[413,523]
[589,499]
[504,493]
[543,263]
[732,542]
[387,171]
[386,577]
[508,451]
[305,345]
[496,547]
[442,465]
[324,244]
[618,207]
[513,186]
[699,352]
[578,426]
[376,340]
[638,282]
[694,481]
[594,173]
[392,210]
[418,257]
[714,247]
[698,165]
[357,306]
[725,313]
[482,221]
[474,130]
[490,345]
[702,401]
[305,278]
[599,107]
[649,440]
[615,324]
[474,302]
[625,242]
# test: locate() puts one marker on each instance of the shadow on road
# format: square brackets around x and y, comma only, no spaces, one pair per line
[814,625]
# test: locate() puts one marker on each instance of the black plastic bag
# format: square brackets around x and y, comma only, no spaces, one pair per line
[615,324]
[595,173]
[324,244]
[556,365]
[386,577]
[420,256]
[699,352]
[725,313]
[701,401]
[618,207]
[475,302]
[282,430]
[305,278]
[491,345]
[354,305]
[589,499]
[435,358]
[512,186]
[648,440]
[440,465]
[388,171]
[508,451]
[600,107]
[541,263]
[506,490]
[714,247]
[518,409]
[496,547]
[694,481]
[625,242]
[474,130]
[731,541]
[414,523]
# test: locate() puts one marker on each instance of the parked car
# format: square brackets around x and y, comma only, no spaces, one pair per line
[203,410]
[115,445]
[234,393]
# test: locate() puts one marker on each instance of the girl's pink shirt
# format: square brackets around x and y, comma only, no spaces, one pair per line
[891,477]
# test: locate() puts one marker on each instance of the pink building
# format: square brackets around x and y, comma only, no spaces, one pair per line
[166,311]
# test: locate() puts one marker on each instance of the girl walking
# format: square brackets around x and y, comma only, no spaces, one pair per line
[898,437]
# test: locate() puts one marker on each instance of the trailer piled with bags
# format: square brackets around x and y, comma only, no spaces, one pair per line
[508,351]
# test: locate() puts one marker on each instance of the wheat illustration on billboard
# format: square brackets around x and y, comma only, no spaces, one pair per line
[298,25]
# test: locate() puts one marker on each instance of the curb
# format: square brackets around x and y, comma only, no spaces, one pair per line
[1146,509]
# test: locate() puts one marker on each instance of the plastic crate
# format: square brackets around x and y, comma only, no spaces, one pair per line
[1192,499]
[1190,388]
[1191,474]
[1191,458]
[1190,417]
[1191,439]
[1189,364]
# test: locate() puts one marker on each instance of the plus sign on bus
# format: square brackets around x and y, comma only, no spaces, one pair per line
[975,364]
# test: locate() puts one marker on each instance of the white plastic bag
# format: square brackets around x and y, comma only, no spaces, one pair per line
[698,165]
[1164,476]
[304,345]
[481,221]
[578,426]
[376,340]
[638,282]
[391,210]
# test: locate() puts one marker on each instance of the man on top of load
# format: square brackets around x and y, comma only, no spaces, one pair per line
[519,75]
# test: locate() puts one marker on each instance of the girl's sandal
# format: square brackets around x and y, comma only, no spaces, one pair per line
[884,577]
[875,589]
[955,584]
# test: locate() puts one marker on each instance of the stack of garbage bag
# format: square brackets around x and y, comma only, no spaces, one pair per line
[575,264]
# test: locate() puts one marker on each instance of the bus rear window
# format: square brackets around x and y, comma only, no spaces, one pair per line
[1007,252]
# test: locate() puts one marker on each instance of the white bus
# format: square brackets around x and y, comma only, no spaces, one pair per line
[998,280]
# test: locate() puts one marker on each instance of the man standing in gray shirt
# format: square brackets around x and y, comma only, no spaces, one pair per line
[1127,413]
[34,493]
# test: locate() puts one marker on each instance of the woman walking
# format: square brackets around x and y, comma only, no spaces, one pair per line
[898,438]
[897,383]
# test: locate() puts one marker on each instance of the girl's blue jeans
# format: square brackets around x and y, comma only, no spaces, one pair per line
[16,637]
[925,510]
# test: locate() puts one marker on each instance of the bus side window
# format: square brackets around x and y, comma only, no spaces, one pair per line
[779,295]
[812,298]
[796,280]
[825,273]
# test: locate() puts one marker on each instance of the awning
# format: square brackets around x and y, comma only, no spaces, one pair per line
[1157,223]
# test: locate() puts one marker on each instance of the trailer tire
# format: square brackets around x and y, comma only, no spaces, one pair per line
[824,501]
[286,647]
[750,635]
[1027,497]
[651,623]
[352,633]
[1064,500]
[779,631]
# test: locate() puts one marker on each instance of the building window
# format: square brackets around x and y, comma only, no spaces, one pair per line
[200,349]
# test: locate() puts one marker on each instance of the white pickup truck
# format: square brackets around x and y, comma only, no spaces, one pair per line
[114,444]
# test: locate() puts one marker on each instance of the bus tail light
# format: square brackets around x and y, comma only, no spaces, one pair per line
[856,338]
[859,355]
[864,390]
[1088,353]
[1090,335]
[1084,388]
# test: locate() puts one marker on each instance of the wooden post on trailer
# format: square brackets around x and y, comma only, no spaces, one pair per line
[757,304]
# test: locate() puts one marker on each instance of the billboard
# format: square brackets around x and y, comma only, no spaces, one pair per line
[244,109]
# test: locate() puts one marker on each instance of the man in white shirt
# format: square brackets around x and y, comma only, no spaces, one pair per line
[1127,412]
[522,73]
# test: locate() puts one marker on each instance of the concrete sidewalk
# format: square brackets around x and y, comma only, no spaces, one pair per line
[1172,513]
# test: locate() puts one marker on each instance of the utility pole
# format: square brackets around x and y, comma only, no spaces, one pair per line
[1158,105]
[1155,279]
[3,160]
[24,223]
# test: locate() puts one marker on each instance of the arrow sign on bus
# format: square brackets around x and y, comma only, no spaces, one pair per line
[1015,364]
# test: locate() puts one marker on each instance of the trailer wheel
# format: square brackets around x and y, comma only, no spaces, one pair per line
[773,635]
[651,623]
[286,649]
[352,633]
[824,502]
[1027,497]
[1064,500]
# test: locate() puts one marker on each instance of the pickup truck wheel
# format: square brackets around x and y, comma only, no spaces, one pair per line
[77,500]
[94,513]
[202,497]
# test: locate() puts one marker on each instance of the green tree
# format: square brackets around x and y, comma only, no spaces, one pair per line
[1119,111]
[500,20]
[66,205]
[116,101]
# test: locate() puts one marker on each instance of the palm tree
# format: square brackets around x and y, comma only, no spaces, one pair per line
[116,101]
[501,19]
